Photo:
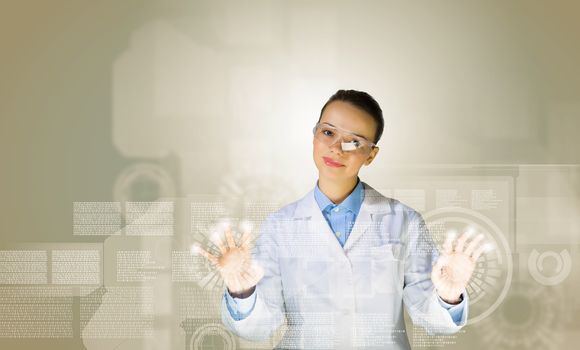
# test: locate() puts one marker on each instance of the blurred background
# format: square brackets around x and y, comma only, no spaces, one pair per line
[129,128]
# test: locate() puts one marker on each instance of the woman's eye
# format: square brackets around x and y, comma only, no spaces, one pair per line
[327,132]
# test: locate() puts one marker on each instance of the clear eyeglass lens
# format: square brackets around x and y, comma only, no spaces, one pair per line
[330,136]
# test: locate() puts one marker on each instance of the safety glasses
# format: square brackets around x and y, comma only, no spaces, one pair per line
[349,142]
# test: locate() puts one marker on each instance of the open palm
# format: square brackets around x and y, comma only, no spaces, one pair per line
[454,268]
[234,262]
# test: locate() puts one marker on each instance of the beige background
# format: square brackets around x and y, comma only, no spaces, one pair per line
[220,97]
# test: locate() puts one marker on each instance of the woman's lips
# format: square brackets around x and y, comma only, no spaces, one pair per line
[331,163]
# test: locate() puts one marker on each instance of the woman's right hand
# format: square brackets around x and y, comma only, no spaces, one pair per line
[234,263]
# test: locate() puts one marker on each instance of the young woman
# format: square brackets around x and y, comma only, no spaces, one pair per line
[338,265]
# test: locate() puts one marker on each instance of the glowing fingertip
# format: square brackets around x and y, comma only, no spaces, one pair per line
[215,237]
[451,234]
[194,250]
[470,231]
[246,226]
[224,225]
[488,247]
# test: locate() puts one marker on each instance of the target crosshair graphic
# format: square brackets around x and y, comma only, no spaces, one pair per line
[492,276]
[212,280]
[206,337]
[529,318]
[240,195]
[143,182]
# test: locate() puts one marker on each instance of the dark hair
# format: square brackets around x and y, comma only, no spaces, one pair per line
[364,101]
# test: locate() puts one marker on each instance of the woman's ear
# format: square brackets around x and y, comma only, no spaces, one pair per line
[372,155]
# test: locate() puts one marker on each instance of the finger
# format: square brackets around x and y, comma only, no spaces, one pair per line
[212,258]
[246,239]
[482,249]
[229,237]
[448,245]
[218,242]
[473,244]
[461,241]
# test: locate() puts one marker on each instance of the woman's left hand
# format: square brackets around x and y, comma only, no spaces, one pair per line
[454,268]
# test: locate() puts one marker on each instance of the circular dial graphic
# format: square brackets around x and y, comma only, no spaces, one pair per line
[491,279]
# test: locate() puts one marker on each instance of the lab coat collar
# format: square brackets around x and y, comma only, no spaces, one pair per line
[373,203]
[351,203]
[373,207]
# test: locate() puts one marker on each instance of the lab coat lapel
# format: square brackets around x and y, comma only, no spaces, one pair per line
[374,203]
[307,209]
[361,224]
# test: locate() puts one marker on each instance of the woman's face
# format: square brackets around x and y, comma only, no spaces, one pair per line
[332,162]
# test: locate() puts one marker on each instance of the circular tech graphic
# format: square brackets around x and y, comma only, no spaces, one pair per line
[493,272]
[255,196]
[143,182]
[537,262]
[209,277]
[212,336]
[240,196]
[529,318]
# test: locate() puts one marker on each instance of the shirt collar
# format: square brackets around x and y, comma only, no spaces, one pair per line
[353,202]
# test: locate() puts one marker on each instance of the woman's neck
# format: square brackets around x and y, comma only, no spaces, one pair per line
[337,190]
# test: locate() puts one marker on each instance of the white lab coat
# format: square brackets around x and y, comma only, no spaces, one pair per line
[344,298]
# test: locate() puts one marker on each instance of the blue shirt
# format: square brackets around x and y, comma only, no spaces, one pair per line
[341,218]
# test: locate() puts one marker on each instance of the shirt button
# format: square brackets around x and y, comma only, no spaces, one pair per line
[336,210]
[338,234]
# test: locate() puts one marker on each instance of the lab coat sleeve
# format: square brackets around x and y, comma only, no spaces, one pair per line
[240,308]
[457,312]
[268,312]
[419,294]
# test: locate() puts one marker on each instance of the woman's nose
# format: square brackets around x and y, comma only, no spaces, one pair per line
[336,147]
